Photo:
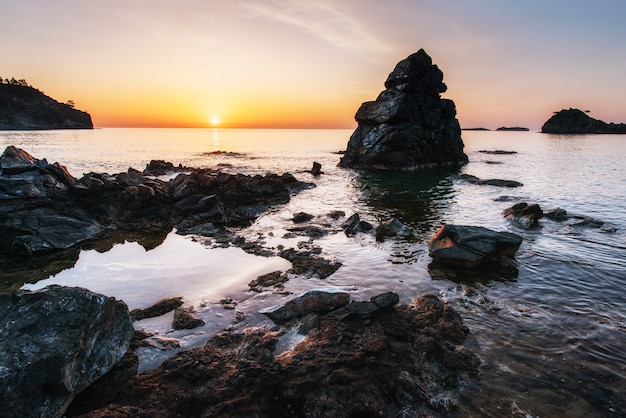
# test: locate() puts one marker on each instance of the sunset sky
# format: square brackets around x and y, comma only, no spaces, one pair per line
[310,64]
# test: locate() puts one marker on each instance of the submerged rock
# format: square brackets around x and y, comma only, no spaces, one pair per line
[353,225]
[489,182]
[498,152]
[391,228]
[409,126]
[524,215]
[472,246]
[557,214]
[54,343]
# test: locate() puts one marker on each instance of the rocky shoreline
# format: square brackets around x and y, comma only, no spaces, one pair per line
[373,357]
[46,210]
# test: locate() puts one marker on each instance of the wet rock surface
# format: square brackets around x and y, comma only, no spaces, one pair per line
[185,318]
[399,360]
[409,126]
[44,209]
[489,182]
[317,301]
[54,343]
[525,215]
[308,263]
[466,250]
[159,308]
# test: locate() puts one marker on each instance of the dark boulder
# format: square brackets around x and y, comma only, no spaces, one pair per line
[159,308]
[409,126]
[301,217]
[576,122]
[186,318]
[472,246]
[53,344]
[391,228]
[161,167]
[367,309]
[36,212]
[353,225]
[318,301]
[316,170]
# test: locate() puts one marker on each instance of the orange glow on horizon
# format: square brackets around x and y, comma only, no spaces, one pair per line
[265,113]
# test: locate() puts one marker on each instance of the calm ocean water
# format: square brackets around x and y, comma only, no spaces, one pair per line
[552,341]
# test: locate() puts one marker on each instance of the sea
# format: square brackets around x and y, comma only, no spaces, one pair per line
[552,340]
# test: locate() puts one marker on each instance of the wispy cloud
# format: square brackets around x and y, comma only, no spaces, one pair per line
[323,21]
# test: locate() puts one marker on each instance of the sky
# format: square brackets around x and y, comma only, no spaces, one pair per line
[311,63]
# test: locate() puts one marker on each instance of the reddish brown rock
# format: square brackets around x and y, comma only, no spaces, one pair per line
[406,358]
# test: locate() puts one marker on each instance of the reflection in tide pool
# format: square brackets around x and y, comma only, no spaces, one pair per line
[178,267]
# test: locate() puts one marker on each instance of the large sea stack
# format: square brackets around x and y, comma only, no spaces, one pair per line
[409,126]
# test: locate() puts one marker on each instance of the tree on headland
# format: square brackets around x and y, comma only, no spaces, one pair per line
[15,82]
[24,107]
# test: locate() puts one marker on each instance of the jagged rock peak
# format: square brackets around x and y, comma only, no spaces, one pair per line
[416,73]
[409,126]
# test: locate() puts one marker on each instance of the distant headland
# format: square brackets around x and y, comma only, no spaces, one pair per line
[23,107]
[575,121]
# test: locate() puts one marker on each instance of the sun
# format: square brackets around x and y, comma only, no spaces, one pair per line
[215,120]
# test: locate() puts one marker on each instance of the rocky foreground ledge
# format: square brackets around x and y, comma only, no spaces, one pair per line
[327,358]
[44,209]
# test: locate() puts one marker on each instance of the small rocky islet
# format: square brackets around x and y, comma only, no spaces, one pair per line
[326,354]
[576,122]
